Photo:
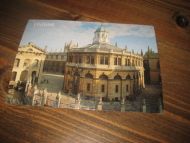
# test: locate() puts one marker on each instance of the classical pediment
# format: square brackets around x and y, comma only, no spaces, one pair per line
[31,48]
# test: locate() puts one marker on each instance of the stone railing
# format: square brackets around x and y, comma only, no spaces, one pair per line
[40,97]
[99,66]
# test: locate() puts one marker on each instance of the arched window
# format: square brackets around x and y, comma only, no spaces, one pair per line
[103,77]
[89,75]
[24,75]
[17,62]
[117,77]
[128,77]
[36,62]
[26,62]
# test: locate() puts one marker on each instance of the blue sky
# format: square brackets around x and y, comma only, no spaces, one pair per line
[55,33]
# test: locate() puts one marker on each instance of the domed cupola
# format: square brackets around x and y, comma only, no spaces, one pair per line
[100,35]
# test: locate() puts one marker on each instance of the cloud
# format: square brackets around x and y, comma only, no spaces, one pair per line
[130,30]
[55,33]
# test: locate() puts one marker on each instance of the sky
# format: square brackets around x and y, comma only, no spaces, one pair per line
[53,34]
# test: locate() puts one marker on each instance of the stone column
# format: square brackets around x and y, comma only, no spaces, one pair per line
[33,100]
[143,85]
[96,59]
[111,60]
[40,70]
[122,61]
[78,101]
[144,106]
[18,75]
[123,105]
[58,99]
[36,91]
[44,97]
[28,86]
[99,107]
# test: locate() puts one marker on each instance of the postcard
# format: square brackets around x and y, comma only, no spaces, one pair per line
[87,65]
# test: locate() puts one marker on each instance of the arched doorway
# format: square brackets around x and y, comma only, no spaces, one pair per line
[24,75]
[34,77]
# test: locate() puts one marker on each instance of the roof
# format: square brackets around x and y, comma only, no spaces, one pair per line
[97,46]
[30,47]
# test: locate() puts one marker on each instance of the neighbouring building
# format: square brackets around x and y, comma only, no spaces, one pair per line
[28,64]
[152,67]
[34,65]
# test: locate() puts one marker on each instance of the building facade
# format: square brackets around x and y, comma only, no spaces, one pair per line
[103,70]
[34,65]
[28,64]
[152,67]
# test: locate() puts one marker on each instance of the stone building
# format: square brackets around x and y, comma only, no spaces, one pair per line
[103,70]
[152,67]
[37,66]
[28,64]
[98,70]
[55,62]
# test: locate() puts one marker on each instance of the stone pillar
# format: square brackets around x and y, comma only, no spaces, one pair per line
[122,61]
[33,100]
[139,82]
[130,60]
[96,59]
[28,86]
[58,99]
[144,106]
[123,105]
[143,85]
[44,97]
[40,69]
[36,92]
[18,76]
[78,101]
[111,60]
[99,107]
